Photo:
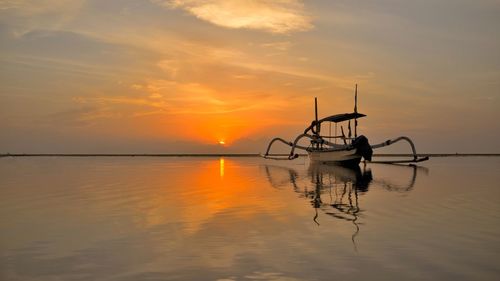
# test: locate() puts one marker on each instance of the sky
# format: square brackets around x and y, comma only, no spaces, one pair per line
[182,76]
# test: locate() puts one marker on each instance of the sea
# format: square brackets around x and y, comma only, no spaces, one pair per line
[247,218]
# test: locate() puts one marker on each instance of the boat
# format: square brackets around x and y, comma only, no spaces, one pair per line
[339,148]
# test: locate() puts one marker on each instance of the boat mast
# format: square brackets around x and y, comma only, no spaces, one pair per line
[356,111]
[316,114]
[318,126]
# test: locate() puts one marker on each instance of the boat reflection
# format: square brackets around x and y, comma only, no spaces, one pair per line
[335,190]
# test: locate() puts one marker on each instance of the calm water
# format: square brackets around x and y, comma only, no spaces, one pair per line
[64,218]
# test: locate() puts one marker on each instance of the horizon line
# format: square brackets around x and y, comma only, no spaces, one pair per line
[222,154]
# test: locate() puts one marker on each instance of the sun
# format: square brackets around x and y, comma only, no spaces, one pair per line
[222,142]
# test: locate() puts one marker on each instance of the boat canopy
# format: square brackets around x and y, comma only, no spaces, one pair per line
[334,118]
[342,117]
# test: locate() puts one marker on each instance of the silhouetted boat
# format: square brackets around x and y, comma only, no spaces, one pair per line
[325,149]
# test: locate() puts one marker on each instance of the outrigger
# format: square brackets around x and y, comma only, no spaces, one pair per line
[349,150]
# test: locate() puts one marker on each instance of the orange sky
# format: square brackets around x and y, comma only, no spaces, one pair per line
[180,76]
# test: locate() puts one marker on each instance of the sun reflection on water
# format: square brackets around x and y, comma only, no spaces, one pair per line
[221,167]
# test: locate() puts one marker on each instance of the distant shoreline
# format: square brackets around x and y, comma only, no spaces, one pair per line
[225,155]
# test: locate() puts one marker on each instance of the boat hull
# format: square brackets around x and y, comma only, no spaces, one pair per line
[341,157]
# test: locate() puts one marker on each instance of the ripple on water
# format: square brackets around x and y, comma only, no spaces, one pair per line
[246,219]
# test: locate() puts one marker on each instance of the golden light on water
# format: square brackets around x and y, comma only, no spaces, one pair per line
[221,167]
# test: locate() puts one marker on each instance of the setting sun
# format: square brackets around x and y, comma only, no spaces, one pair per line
[222,142]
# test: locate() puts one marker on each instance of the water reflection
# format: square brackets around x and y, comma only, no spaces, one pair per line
[391,186]
[335,190]
[193,218]
[221,167]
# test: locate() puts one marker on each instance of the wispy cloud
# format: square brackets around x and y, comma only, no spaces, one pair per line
[10,4]
[39,14]
[174,98]
[278,16]
[28,7]
[279,46]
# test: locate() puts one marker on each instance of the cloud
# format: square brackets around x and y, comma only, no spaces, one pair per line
[279,46]
[165,97]
[28,7]
[278,16]
[26,15]
[81,116]
[10,4]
